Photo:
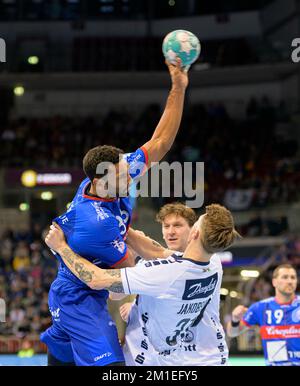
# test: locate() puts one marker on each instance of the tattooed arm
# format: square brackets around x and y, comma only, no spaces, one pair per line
[94,277]
[145,247]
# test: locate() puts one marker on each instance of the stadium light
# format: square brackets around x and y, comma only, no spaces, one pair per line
[33,60]
[249,274]
[19,91]
[24,207]
[28,178]
[233,294]
[224,291]
[47,196]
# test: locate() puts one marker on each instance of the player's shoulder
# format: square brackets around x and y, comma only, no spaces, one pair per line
[268,300]
[264,302]
[165,266]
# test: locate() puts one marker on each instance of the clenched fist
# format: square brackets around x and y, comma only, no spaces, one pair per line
[238,313]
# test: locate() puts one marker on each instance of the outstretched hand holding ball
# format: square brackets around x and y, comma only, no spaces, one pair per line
[183,45]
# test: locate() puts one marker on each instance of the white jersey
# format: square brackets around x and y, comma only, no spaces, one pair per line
[176,321]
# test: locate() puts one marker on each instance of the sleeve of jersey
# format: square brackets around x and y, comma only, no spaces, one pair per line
[148,280]
[105,243]
[251,318]
[138,162]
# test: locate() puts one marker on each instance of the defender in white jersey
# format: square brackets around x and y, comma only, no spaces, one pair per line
[177,221]
[175,293]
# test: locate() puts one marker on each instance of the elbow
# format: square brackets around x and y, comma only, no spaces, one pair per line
[95,285]
[165,146]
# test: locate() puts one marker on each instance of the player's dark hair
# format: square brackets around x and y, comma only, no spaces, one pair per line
[282,266]
[96,156]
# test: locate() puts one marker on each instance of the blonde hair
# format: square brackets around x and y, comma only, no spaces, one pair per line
[282,266]
[217,229]
[178,209]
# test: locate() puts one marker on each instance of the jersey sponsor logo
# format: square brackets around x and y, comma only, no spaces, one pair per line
[294,354]
[106,355]
[119,245]
[189,348]
[101,215]
[280,332]
[296,315]
[201,288]
[55,314]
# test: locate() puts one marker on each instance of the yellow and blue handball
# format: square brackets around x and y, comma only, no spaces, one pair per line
[182,44]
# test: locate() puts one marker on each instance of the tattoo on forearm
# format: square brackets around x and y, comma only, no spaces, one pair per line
[117,286]
[69,256]
[85,275]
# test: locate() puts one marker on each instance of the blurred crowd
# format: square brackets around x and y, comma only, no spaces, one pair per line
[264,225]
[238,154]
[27,270]
[288,253]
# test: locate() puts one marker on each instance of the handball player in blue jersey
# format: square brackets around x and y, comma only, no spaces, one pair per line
[278,318]
[95,226]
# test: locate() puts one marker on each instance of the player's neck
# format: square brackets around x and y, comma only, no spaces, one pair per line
[284,299]
[194,251]
[93,192]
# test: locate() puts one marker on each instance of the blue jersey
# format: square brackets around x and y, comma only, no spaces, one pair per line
[82,330]
[96,228]
[279,329]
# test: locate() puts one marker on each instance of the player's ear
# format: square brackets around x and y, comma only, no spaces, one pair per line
[197,234]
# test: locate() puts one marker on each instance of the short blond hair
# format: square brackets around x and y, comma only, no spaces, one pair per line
[282,266]
[178,209]
[217,229]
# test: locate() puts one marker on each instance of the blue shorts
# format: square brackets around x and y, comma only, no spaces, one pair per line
[82,331]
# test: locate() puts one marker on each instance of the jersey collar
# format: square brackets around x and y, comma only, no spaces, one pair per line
[288,303]
[92,197]
[178,257]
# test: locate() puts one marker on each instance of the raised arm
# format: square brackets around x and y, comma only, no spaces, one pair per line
[168,126]
[94,277]
[145,247]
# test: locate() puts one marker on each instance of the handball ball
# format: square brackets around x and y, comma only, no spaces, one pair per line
[181,44]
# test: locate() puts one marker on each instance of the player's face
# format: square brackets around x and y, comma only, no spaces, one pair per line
[286,281]
[176,232]
[116,182]
[122,179]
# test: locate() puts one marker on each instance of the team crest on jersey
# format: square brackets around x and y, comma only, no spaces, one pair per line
[119,245]
[296,315]
[201,288]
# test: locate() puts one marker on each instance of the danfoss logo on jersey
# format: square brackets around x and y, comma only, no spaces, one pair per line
[280,332]
[201,288]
